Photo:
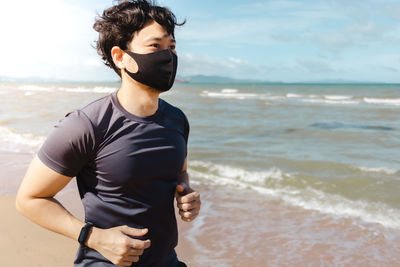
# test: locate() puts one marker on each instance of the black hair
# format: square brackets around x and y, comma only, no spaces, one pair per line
[117,25]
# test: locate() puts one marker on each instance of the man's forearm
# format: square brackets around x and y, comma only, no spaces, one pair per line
[116,244]
[50,214]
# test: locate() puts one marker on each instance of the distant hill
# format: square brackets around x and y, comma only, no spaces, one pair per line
[222,79]
[190,79]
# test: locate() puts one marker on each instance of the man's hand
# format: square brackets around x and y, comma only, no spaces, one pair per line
[188,202]
[117,245]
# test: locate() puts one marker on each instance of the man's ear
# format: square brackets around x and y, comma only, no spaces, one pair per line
[122,60]
[117,55]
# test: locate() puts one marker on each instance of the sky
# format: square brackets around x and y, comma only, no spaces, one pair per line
[275,40]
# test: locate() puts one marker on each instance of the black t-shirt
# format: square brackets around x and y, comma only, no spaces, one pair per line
[126,168]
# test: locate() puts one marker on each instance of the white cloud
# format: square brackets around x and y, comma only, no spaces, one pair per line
[235,60]
[190,64]
[299,40]
[333,26]
[44,36]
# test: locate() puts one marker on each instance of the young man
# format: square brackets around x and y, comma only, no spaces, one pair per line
[128,151]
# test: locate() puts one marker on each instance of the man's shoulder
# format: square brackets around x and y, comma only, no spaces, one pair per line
[98,109]
[96,105]
[172,110]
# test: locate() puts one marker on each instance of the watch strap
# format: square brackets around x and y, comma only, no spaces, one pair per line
[83,235]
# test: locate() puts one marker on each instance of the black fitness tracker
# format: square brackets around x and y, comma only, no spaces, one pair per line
[84,233]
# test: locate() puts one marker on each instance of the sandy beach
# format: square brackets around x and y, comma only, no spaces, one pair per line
[24,243]
[236,227]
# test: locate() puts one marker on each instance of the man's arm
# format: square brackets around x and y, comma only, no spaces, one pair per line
[188,200]
[35,200]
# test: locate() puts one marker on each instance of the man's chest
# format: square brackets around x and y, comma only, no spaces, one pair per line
[140,157]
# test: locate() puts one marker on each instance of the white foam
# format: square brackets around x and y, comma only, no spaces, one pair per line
[20,141]
[104,90]
[332,102]
[383,101]
[383,170]
[229,90]
[82,89]
[78,89]
[30,87]
[239,96]
[306,198]
[260,177]
[229,93]
[338,97]
[290,95]
[336,205]
[277,97]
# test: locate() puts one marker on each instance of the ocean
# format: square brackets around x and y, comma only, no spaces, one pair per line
[303,174]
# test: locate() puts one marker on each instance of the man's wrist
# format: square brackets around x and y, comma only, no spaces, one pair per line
[183,177]
[83,235]
[92,237]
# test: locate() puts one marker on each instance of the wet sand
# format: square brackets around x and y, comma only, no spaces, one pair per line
[236,228]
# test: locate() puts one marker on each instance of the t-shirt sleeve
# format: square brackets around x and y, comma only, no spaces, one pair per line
[70,144]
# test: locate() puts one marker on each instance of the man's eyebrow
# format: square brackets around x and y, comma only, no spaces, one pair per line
[159,39]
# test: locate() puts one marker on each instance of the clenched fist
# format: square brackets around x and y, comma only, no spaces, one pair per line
[117,245]
[188,202]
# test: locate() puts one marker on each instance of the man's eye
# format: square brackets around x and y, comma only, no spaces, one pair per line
[155,45]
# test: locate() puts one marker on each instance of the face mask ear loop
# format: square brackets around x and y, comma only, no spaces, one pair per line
[130,55]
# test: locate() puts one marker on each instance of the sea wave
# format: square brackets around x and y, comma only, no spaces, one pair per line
[334,102]
[82,89]
[78,89]
[383,101]
[290,95]
[269,183]
[18,142]
[338,97]
[229,90]
[383,170]
[104,90]
[234,173]
[230,93]
[30,87]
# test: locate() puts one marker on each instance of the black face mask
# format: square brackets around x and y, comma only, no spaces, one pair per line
[156,70]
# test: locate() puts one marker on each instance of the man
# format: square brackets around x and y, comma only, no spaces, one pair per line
[128,151]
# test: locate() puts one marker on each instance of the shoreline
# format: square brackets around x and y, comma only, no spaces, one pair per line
[26,244]
[235,227]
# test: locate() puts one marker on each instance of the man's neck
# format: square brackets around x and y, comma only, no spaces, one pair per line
[137,98]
